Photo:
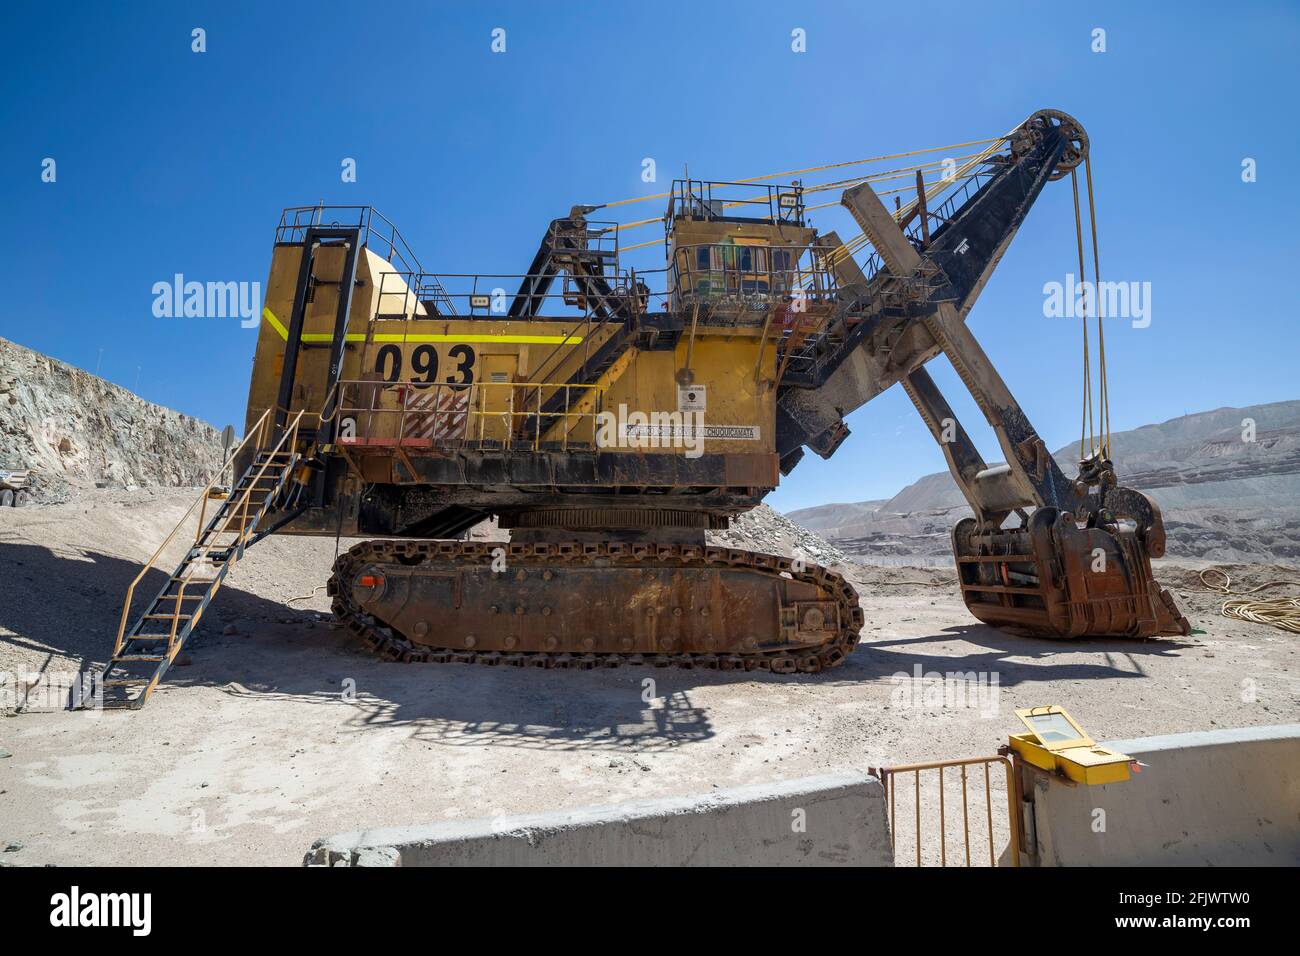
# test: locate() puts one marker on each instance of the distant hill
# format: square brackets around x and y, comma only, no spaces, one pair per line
[821,517]
[1222,497]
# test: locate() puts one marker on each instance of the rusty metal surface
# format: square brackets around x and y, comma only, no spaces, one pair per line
[1053,578]
[594,604]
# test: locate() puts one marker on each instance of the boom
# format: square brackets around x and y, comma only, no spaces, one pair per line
[913,308]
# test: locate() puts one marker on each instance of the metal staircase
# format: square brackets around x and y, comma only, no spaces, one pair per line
[142,654]
[578,388]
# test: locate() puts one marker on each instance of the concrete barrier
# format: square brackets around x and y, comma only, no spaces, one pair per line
[837,819]
[1218,798]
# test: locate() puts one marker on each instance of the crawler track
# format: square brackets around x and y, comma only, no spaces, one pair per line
[446,557]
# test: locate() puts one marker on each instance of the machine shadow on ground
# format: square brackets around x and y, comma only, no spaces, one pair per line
[1013,658]
[42,589]
[284,654]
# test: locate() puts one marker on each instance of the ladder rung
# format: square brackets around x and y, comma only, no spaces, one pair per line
[124,681]
[139,657]
[166,617]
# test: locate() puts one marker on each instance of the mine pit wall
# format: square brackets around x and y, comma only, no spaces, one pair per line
[832,820]
[1215,798]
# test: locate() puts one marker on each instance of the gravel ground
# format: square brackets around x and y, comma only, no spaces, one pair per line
[280,729]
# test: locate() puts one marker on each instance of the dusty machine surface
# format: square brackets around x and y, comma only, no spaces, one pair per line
[609,417]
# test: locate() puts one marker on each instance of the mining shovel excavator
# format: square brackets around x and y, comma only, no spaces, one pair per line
[608,418]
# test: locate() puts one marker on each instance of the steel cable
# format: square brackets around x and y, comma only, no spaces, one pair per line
[1282,613]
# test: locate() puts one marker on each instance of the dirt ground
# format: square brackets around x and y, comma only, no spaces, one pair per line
[280,729]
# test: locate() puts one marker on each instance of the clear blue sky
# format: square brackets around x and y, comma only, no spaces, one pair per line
[171,161]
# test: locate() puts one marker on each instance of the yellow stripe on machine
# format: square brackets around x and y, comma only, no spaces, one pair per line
[275,323]
[423,336]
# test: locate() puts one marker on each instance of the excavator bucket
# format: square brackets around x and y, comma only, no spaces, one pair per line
[1055,578]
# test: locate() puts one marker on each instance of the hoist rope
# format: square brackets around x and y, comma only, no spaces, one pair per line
[825,205]
[1103,408]
[1086,429]
[815,169]
[882,176]
[991,147]
[860,240]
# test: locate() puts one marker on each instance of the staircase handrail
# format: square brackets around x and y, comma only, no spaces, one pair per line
[259,432]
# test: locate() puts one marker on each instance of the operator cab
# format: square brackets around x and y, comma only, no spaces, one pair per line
[739,249]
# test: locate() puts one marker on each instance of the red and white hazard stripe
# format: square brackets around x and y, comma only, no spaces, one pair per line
[437,414]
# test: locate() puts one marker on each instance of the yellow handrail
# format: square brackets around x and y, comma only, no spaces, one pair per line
[259,432]
[476,396]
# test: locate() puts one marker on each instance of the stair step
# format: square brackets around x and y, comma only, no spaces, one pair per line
[122,667]
[141,659]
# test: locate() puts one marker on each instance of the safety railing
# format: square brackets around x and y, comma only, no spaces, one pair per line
[975,844]
[963,188]
[592,240]
[587,332]
[801,355]
[730,277]
[258,437]
[720,277]
[406,295]
[411,416]
[490,295]
[719,201]
[377,230]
